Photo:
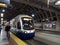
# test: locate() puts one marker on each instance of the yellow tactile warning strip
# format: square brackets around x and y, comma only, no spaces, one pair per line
[17,40]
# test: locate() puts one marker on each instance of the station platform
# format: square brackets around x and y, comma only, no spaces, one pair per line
[12,41]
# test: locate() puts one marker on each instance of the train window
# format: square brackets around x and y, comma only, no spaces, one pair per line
[27,23]
[18,25]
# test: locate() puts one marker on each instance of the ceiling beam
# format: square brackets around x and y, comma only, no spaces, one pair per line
[34,5]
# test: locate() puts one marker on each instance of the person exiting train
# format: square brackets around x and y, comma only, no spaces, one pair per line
[7,29]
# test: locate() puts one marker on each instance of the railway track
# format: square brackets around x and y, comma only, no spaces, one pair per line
[34,42]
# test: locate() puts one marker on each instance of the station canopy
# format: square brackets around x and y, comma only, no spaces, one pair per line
[42,9]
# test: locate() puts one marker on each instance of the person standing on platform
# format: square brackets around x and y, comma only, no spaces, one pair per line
[7,29]
[0,29]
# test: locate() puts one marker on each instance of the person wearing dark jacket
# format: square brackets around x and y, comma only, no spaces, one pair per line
[7,29]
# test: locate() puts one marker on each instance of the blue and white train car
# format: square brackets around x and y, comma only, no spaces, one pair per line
[23,26]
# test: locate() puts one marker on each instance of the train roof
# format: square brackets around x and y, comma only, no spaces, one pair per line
[23,16]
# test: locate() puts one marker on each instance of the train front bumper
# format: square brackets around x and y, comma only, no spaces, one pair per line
[26,35]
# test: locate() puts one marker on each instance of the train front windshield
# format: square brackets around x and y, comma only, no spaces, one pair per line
[27,23]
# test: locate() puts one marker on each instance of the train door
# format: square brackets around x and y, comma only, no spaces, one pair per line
[18,26]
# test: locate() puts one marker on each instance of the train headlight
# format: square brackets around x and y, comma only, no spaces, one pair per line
[28,31]
[32,30]
[25,32]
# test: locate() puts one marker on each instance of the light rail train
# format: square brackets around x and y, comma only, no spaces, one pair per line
[23,26]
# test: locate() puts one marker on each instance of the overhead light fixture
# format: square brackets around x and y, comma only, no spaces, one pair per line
[3,10]
[33,15]
[57,3]
[2,14]
[3,5]
[1,19]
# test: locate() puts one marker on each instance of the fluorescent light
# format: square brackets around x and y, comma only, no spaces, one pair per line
[1,19]
[3,10]
[3,5]
[57,3]
[2,14]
